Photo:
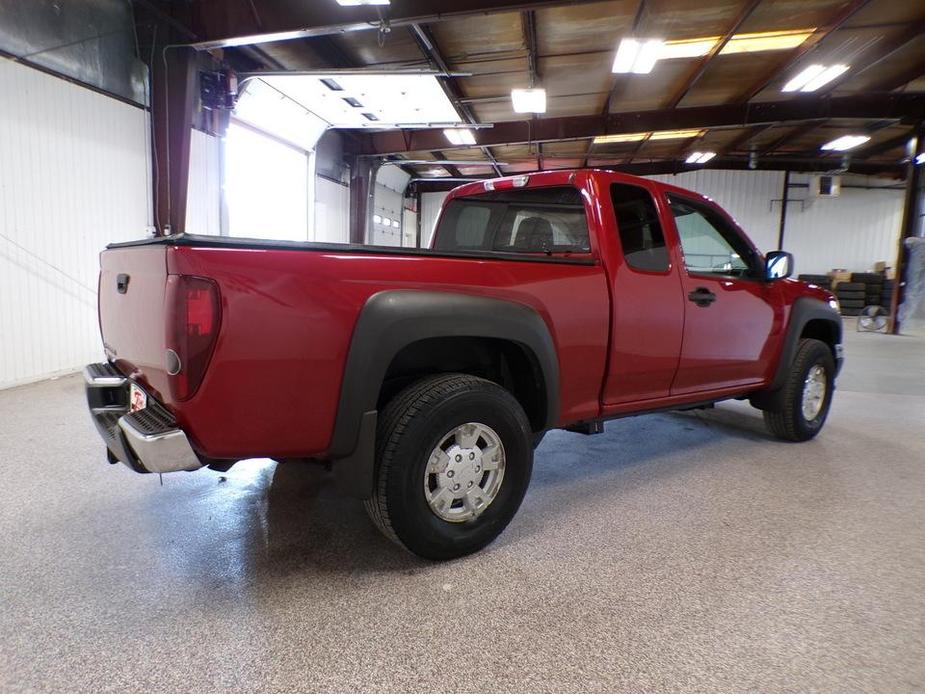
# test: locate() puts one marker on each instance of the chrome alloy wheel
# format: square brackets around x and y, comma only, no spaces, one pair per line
[814,387]
[464,472]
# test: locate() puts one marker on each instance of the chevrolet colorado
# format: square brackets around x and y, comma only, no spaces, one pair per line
[424,377]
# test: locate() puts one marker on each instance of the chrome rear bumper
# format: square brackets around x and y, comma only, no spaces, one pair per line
[148,440]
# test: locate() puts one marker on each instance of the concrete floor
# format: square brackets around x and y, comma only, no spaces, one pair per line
[681,552]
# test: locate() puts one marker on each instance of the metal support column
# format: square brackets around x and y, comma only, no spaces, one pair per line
[913,210]
[784,199]
[174,93]
[362,190]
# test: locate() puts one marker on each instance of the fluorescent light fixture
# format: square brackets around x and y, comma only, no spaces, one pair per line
[360,3]
[529,100]
[845,142]
[827,76]
[459,136]
[740,43]
[920,159]
[676,134]
[657,135]
[688,48]
[700,157]
[813,77]
[766,41]
[637,55]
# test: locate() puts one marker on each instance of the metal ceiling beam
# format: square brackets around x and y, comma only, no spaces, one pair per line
[879,106]
[428,46]
[804,48]
[879,52]
[746,137]
[528,23]
[723,163]
[327,18]
[910,74]
[701,67]
[885,146]
[795,134]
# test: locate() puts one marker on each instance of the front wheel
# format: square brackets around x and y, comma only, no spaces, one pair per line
[806,395]
[454,455]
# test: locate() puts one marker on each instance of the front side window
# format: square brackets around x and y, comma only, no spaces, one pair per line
[711,246]
[639,228]
[532,220]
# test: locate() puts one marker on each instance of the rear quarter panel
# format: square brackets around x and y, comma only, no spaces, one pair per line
[273,384]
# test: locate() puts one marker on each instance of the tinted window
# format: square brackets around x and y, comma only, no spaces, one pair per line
[710,244]
[533,220]
[640,231]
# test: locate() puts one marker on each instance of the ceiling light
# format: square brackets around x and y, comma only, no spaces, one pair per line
[766,41]
[845,142]
[827,76]
[612,139]
[657,135]
[813,77]
[700,157]
[459,136]
[675,134]
[637,55]
[360,3]
[529,100]
[687,48]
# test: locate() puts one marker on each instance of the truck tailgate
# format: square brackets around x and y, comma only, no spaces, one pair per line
[133,282]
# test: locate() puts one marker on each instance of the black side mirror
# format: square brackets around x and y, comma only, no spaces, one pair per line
[778,265]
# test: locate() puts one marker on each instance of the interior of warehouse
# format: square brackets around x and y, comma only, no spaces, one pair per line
[684,550]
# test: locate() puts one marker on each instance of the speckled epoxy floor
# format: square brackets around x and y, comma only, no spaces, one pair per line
[681,552]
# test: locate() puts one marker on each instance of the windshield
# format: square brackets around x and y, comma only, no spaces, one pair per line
[534,220]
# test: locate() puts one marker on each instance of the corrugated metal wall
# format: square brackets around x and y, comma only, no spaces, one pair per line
[204,190]
[74,176]
[852,231]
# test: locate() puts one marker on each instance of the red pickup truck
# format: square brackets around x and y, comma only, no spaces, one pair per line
[423,378]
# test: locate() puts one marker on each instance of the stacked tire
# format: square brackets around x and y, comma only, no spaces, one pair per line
[851,296]
[820,280]
[873,286]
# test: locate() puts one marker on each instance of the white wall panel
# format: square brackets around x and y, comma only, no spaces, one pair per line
[852,231]
[332,211]
[746,195]
[74,176]
[431,204]
[204,192]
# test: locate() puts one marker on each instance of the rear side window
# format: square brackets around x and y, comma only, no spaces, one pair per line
[533,220]
[639,227]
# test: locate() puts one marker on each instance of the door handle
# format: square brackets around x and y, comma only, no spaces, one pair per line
[702,297]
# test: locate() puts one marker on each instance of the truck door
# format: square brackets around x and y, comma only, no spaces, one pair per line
[647,307]
[728,313]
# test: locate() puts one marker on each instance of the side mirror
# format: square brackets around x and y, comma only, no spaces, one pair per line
[778,265]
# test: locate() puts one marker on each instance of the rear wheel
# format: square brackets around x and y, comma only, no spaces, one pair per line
[454,456]
[806,394]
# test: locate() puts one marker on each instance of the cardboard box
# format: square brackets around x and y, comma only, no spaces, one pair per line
[880,266]
[840,276]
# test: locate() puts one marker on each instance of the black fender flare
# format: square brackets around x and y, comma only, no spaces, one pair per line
[805,309]
[393,319]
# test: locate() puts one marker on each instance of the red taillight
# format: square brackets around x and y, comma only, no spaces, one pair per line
[193,317]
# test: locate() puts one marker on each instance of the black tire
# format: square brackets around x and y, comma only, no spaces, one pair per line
[850,295]
[788,422]
[410,428]
[850,311]
[852,303]
[849,287]
[867,277]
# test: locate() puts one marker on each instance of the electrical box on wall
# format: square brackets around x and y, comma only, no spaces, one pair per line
[825,186]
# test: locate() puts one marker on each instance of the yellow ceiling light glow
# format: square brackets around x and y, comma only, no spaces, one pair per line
[739,43]
[766,41]
[657,135]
